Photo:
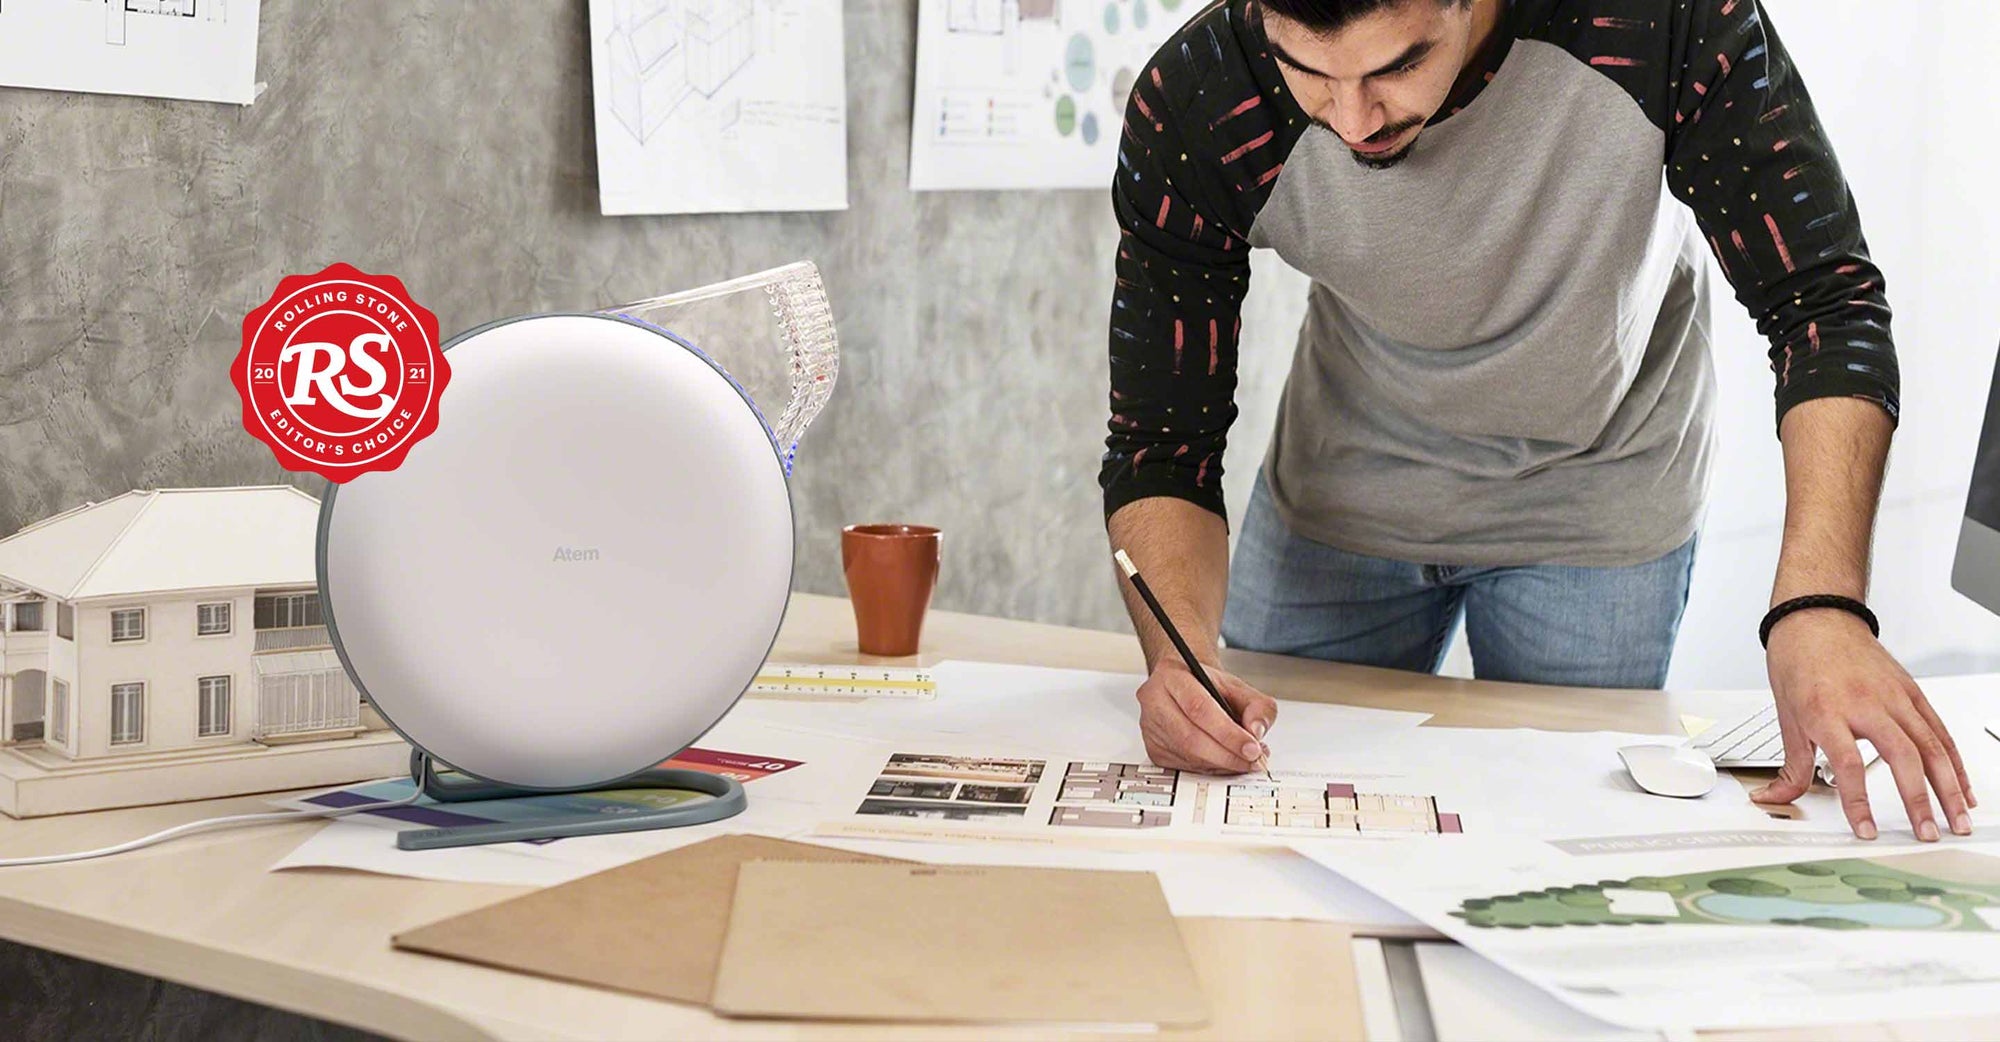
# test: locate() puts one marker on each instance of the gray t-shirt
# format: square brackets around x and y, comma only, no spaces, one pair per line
[1505,358]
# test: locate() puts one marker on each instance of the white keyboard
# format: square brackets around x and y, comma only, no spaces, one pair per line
[1755,741]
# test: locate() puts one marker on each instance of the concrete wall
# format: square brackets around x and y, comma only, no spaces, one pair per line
[450,143]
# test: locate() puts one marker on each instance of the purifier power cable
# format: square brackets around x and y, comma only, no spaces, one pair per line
[209,824]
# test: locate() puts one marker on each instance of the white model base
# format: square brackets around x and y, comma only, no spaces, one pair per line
[29,788]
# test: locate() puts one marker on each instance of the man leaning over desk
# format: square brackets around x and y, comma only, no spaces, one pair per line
[1502,402]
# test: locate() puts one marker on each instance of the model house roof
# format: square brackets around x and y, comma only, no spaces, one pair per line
[153,541]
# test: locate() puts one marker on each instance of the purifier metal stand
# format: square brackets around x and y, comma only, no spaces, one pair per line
[728,801]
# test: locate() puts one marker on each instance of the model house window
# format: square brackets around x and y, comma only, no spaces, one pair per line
[59,713]
[65,620]
[128,713]
[287,610]
[214,706]
[128,624]
[28,617]
[211,619]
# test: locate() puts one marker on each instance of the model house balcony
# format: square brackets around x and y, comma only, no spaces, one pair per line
[292,638]
[25,650]
[304,695]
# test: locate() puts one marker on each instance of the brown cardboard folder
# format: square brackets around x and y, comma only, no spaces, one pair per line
[888,941]
[654,926]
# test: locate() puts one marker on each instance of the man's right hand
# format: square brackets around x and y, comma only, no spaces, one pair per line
[1185,729]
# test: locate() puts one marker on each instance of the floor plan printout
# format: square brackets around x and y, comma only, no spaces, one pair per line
[998,797]
[1767,927]
[196,50]
[707,106]
[1029,93]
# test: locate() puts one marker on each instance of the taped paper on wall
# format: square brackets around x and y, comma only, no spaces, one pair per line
[1028,93]
[706,106]
[195,50]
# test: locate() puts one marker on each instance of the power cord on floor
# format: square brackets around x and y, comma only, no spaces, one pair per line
[212,823]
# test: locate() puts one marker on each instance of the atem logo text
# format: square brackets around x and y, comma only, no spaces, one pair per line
[564,553]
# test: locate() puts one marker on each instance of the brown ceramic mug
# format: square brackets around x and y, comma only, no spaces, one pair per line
[891,570]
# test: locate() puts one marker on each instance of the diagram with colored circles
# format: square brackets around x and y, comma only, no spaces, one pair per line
[1029,93]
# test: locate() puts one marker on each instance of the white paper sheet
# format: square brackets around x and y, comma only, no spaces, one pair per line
[719,105]
[1241,884]
[1894,928]
[1028,93]
[842,744]
[1412,784]
[779,805]
[198,50]
[1473,1000]
[1030,708]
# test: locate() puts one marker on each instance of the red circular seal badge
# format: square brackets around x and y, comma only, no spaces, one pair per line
[340,372]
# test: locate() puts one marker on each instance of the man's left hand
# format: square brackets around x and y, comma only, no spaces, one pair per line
[1835,683]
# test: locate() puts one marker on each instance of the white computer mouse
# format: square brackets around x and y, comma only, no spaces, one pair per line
[1669,770]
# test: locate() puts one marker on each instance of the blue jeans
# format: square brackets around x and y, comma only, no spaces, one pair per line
[1538,624]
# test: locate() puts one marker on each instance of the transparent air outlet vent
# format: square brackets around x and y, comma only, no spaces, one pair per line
[771,332]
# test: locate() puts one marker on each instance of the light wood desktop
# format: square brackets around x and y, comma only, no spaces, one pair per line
[204,911]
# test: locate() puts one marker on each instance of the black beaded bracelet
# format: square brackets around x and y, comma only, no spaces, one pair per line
[1816,600]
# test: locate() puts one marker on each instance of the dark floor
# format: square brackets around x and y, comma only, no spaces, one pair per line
[45,997]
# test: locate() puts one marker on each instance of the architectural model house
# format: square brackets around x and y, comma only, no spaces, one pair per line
[163,630]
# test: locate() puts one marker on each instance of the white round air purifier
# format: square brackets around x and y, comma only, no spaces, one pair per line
[578,573]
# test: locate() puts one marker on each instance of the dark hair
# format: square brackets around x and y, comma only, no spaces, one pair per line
[1329,16]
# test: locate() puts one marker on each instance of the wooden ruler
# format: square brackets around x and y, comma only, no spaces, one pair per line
[784,680]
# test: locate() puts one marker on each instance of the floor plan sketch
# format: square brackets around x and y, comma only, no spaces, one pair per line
[199,50]
[1332,807]
[1115,795]
[718,105]
[1028,93]
[115,12]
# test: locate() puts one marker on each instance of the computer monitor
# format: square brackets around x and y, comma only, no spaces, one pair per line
[1976,572]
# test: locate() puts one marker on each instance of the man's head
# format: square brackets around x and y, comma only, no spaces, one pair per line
[1371,71]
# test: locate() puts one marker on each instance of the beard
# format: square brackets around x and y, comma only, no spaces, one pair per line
[1385,161]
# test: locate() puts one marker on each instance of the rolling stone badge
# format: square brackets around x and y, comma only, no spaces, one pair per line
[340,372]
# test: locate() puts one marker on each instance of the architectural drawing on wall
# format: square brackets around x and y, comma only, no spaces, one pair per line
[177,627]
[986,17]
[1027,93]
[707,105]
[202,50]
[116,10]
[663,51]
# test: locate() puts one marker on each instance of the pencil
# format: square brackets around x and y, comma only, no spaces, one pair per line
[1187,653]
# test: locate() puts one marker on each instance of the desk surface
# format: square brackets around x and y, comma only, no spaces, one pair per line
[204,910]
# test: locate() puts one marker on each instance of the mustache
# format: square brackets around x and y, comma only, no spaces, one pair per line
[1386,133]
